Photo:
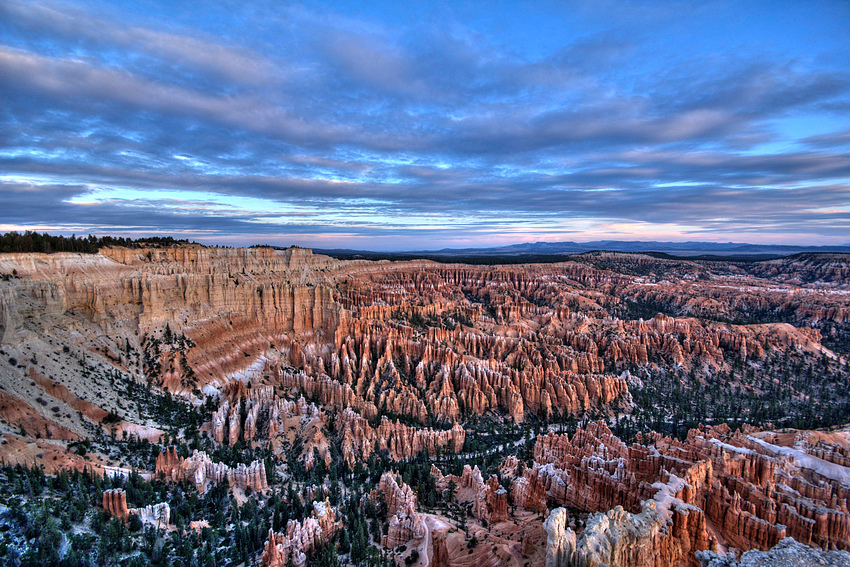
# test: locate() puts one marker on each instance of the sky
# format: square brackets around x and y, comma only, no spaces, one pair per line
[418,126]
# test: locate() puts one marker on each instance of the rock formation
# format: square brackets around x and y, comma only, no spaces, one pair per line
[260,404]
[657,504]
[432,346]
[241,410]
[786,552]
[439,551]
[156,515]
[560,540]
[414,339]
[301,538]
[359,438]
[201,471]
[405,523]
[489,500]
[115,502]
[620,539]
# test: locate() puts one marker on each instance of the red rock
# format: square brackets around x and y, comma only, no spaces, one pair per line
[300,538]
[405,523]
[115,502]
[751,496]
[439,551]
[201,471]
[359,438]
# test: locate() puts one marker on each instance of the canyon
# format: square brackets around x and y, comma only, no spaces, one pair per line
[259,372]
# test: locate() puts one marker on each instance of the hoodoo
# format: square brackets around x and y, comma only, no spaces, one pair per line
[306,410]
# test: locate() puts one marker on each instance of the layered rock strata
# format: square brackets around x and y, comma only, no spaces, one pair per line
[359,438]
[417,339]
[659,503]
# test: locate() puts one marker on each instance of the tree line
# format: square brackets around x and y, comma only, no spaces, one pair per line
[31,241]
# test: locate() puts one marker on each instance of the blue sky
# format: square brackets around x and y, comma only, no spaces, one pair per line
[392,125]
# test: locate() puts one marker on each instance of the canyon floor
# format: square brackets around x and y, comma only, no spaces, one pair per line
[187,405]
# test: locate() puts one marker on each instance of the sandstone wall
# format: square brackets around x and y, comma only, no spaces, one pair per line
[656,504]
[201,471]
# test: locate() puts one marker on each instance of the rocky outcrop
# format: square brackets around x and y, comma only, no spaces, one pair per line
[761,492]
[529,491]
[300,538]
[786,553]
[583,475]
[405,523]
[657,504]
[400,441]
[510,467]
[156,515]
[115,502]
[560,540]
[324,389]
[202,472]
[489,500]
[493,501]
[439,550]
[664,533]
[259,417]
[166,461]
[621,539]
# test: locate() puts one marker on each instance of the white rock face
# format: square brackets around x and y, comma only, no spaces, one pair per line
[560,541]
[157,515]
[606,534]
[616,538]
[786,553]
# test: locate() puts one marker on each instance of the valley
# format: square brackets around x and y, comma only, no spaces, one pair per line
[190,405]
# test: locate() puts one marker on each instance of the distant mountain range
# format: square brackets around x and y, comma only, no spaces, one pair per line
[682,249]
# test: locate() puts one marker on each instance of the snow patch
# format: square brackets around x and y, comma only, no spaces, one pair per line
[731,448]
[255,370]
[115,472]
[210,390]
[806,461]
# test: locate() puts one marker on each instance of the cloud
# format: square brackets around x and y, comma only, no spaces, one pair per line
[65,80]
[231,63]
[372,65]
[832,139]
[374,128]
